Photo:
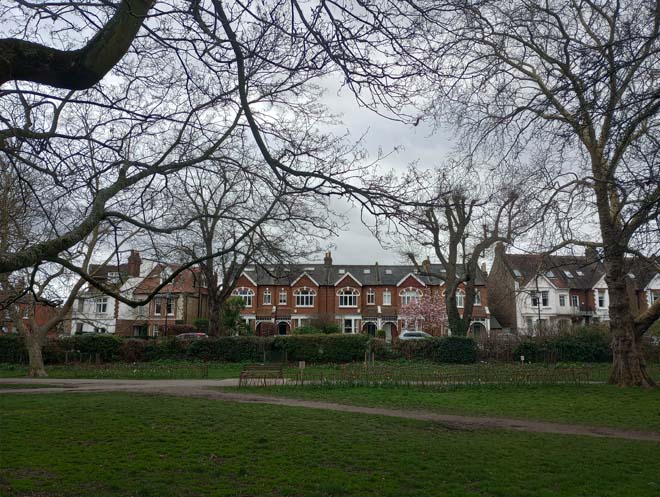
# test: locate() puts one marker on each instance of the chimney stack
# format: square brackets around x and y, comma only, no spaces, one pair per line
[483,268]
[134,263]
[327,260]
[426,265]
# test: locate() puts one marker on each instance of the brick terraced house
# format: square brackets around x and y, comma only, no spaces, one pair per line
[180,302]
[359,298]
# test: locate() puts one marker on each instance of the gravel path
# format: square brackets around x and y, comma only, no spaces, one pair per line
[208,389]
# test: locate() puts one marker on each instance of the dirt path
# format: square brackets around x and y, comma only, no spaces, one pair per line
[205,389]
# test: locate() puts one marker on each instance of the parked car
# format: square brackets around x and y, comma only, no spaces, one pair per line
[191,336]
[413,335]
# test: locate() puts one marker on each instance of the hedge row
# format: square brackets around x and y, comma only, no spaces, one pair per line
[583,345]
[311,348]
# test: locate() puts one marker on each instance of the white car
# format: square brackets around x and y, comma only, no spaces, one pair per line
[413,335]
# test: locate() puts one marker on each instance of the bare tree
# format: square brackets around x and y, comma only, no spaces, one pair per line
[245,217]
[470,212]
[575,81]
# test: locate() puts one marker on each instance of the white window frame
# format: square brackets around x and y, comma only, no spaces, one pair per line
[575,301]
[283,296]
[410,294]
[460,299]
[562,301]
[371,296]
[157,306]
[101,303]
[245,294]
[353,328]
[268,298]
[601,298]
[348,297]
[304,297]
[387,297]
[169,306]
[545,298]
[477,298]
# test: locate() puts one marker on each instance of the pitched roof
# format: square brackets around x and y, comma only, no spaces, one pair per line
[368,275]
[562,271]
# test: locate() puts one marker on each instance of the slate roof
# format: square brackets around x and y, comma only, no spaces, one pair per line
[643,272]
[562,271]
[367,275]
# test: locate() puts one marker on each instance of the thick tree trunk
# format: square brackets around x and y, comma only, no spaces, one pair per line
[629,366]
[34,346]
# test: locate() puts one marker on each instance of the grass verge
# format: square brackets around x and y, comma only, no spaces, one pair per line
[111,445]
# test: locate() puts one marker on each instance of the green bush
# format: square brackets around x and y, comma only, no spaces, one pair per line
[307,329]
[453,349]
[107,346]
[384,350]
[165,348]
[133,350]
[229,349]
[381,334]
[587,344]
[330,328]
[201,324]
[456,350]
[323,348]
[533,351]
[12,348]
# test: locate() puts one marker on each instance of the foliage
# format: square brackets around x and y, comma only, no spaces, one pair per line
[177,329]
[585,344]
[231,322]
[201,324]
[381,334]
[429,311]
[306,329]
[106,345]
[230,349]
[459,350]
[12,347]
[323,348]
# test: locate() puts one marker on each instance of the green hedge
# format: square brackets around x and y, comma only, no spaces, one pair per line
[586,344]
[453,349]
[230,349]
[323,348]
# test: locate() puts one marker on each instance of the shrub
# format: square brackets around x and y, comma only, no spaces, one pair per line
[383,350]
[381,334]
[133,350]
[306,330]
[323,348]
[202,325]
[165,348]
[330,328]
[107,346]
[456,350]
[587,344]
[12,348]
[531,350]
[230,349]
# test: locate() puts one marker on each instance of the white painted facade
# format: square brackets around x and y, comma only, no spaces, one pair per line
[541,303]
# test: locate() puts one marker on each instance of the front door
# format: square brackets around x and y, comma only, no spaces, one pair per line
[281,328]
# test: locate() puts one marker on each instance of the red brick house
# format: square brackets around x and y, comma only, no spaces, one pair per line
[42,313]
[358,298]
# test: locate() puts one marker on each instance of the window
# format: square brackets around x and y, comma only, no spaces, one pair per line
[579,273]
[371,296]
[550,274]
[535,299]
[348,297]
[366,271]
[101,305]
[460,299]
[477,297]
[304,297]
[157,308]
[267,297]
[283,296]
[568,274]
[655,295]
[155,330]
[79,328]
[545,298]
[99,330]
[601,298]
[349,326]
[388,271]
[517,273]
[575,302]
[562,301]
[81,305]
[169,305]
[387,297]
[245,294]
[410,295]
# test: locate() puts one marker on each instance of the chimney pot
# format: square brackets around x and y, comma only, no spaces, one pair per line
[327,260]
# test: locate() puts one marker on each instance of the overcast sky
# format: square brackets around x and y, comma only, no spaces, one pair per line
[357,245]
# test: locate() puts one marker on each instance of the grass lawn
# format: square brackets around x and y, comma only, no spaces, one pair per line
[147,370]
[603,405]
[123,445]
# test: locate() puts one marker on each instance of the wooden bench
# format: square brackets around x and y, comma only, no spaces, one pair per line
[257,374]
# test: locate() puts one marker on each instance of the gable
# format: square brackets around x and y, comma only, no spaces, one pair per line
[542,281]
[348,280]
[245,280]
[304,280]
[410,280]
[654,284]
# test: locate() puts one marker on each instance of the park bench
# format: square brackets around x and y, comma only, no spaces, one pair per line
[259,374]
